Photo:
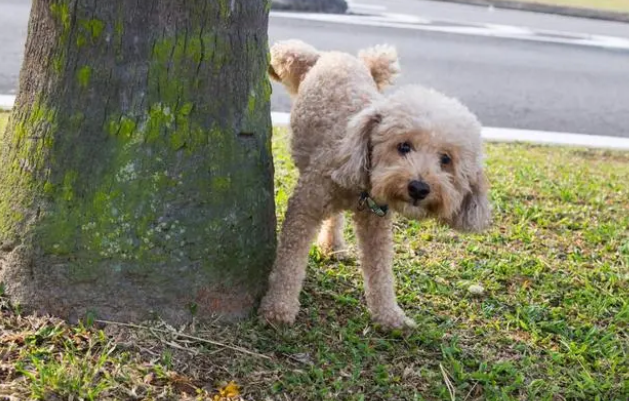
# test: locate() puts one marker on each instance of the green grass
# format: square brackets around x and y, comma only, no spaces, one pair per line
[608,5]
[552,324]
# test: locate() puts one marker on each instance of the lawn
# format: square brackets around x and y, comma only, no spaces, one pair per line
[608,5]
[551,324]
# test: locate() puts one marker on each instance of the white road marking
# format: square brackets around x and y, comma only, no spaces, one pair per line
[489,133]
[388,20]
[509,29]
[362,6]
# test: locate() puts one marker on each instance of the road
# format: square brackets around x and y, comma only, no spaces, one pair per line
[509,83]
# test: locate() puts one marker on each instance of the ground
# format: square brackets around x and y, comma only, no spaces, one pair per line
[551,321]
[610,5]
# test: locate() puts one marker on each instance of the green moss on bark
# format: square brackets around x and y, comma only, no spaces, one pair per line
[166,177]
[83,75]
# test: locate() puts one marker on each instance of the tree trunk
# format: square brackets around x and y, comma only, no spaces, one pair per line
[136,176]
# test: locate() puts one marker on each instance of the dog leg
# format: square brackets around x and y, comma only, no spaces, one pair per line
[375,240]
[281,302]
[331,239]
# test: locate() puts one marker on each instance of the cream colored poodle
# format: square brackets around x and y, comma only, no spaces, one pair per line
[415,152]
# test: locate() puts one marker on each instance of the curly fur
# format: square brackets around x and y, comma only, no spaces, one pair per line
[292,59]
[346,140]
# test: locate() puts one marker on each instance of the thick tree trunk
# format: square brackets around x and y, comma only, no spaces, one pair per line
[136,176]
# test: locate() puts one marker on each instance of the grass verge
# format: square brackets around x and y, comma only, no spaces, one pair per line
[606,5]
[551,324]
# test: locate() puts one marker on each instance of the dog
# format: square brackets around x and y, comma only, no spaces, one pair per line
[415,152]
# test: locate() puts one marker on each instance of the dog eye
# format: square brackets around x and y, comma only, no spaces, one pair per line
[404,148]
[445,159]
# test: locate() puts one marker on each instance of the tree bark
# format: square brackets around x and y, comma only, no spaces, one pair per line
[136,176]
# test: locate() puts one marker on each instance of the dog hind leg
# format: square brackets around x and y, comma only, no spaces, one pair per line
[331,240]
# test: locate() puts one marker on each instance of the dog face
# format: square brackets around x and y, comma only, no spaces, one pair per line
[420,153]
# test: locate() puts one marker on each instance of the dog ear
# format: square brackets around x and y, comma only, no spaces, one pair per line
[475,212]
[353,162]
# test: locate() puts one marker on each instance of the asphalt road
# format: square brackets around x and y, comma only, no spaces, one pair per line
[508,83]
[462,12]
[13,30]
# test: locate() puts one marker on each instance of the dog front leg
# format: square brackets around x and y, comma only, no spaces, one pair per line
[375,241]
[303,217]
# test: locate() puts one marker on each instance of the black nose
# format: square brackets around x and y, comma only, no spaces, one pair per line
[418,189]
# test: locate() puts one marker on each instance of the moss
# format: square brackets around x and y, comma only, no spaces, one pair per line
[119,32]
[153,189]
[49,188]
[251,103]
[81,40]
[127,128]
[224,8]
[119,27]
[220,184]
[94,27]
[57,63]
[22,170]
[69,180]
[61,11]
[83,75]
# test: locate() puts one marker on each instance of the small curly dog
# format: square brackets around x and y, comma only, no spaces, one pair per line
[415,152]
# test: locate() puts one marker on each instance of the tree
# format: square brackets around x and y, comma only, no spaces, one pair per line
[136,174]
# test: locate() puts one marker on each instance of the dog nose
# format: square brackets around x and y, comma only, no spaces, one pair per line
[418,190]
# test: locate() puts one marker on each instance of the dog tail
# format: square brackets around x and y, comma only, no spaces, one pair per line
[290,62]
[382,61]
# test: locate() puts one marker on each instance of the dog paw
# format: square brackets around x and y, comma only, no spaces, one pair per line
[394,320]
[278,312]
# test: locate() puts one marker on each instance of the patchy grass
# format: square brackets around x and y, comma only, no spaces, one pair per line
[607,5]
[551,324]
[4,116]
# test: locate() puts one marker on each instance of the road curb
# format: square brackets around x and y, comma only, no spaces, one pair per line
[6,102]
[547,9]
[492,134]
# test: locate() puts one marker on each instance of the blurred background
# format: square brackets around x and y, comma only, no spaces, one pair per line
[558,66]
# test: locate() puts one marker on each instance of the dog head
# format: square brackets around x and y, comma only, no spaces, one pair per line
[420,153]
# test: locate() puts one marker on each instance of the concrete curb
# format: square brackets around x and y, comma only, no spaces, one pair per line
[548,9]
[6,102]
[491,134]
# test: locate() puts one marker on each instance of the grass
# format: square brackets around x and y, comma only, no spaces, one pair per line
[552,323]
[608,5]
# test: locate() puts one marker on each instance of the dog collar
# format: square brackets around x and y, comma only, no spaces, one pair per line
[367,201]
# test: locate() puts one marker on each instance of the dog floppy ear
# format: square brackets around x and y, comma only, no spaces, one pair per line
[353,162]
[475,212]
